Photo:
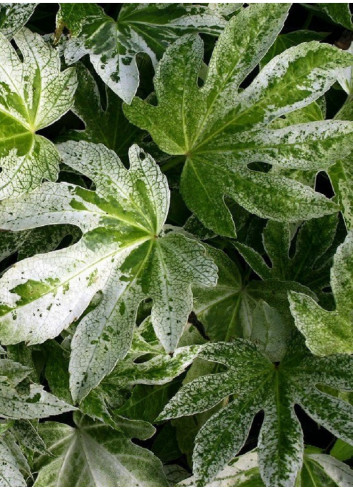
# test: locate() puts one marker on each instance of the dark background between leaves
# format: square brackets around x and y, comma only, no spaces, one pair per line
[301,16]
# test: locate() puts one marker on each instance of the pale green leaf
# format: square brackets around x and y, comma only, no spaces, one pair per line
[34,94]
[92,454]
[329,332]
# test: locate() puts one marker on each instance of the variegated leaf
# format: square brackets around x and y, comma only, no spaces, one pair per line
[13,16]
[93,455]
[34,94]
[124,256]
[25,403]
[329,332]
[257,384]
[140,28]
[220,129]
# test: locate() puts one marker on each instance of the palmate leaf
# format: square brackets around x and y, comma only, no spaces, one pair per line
[25,402]
[329,332]
[221,130]
[257,384]
[108,126]
[34,94]
[311,261]
[125,255]
[140,28]
[319,470]
[94,455]
[255,310]
[13,17]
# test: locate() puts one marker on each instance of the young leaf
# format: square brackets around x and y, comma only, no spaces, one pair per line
[329,332]
[13,16]
[34,94]
[30,403]
[125,254]
[92,454]
[255,310]
[140,28]
[257,384]
[220,130]
[309,265]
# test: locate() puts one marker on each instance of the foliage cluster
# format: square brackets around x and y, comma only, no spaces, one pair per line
[176,246]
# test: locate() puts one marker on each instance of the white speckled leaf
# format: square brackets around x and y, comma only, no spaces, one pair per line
[10,468]
[318,470]
[124,255]
[13,16]
[257,384]
[34,94]
[329,332]
[94,455]
[32,403]
[220,130]
[140,28]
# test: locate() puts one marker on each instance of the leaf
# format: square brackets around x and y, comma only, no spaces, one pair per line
[290,39]
[338,12]
[30,403]
[319,470]
[14,16]
[255,310]
[342,450]
[220,129]
[308,264]
[141,28]
[92,454]
[34,94]
[257,384]
[109,125]
[125,255]
[12,464]
[329,332]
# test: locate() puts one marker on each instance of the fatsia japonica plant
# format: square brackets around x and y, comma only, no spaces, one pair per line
[176,245]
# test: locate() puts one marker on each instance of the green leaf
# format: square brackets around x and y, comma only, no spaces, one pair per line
[18,402]
[125,255]
[92,454]
[14,16]
[329,332]
[34,94]
[255,310]
[310,262]
[221,130]
[342,450]
[141,28]
[257,384]
[338,12]
[109,125]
